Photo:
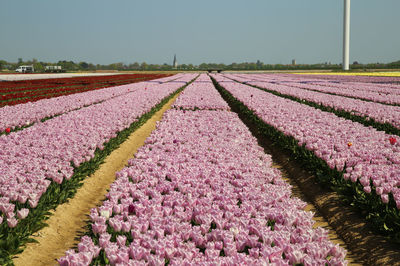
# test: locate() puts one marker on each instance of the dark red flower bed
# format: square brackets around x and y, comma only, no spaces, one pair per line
[22,91]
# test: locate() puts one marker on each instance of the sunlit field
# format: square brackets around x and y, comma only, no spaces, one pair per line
[376,74]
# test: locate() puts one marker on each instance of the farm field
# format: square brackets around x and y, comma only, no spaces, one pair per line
[32,76]
[373,74]
[23,88]
[380,78]
[193,176]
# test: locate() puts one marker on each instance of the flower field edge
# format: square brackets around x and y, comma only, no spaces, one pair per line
[81,82]
[387,127]
[383,218]
[45,118]
[12,240]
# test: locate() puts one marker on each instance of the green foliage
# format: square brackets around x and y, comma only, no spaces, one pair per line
[271,224]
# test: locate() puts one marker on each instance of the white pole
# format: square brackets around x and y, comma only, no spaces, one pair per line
[346,34]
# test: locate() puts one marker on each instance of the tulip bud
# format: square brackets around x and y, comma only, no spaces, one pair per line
[131,208]
[8,130]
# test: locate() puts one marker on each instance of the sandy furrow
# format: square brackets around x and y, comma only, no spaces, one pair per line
[68,219]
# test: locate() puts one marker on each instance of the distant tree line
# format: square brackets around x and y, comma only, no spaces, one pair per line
[84,66]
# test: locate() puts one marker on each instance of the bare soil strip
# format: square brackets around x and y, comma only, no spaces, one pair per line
[68,219]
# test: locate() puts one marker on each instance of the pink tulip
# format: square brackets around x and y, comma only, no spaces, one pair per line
[23,213]
[12,222]
[99,228]
[367,189]
[385,198]
[121,240]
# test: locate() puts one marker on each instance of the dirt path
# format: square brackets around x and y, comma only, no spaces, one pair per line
[68,219]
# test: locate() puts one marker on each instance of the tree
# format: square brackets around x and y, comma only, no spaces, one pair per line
[2,64]
[116,66]
[143,66]
[38,66]
[134,66]
[20,61]
[68,65]
[203,66]
[165,66]
[83,65]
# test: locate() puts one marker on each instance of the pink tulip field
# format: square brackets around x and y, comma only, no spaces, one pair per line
[13,116]
[364,160]
[47,153]
[383,93]
[381,113]
[361,93]
[201,190]
[200,95]
[371,159]
[42,153]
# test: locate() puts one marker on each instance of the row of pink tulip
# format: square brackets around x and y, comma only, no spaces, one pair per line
[202,192]
[336,83]
[201,94]
[33,158]
[32,112]
[381,81]
[379,112]
[383,89]
[379,95]
[363,153]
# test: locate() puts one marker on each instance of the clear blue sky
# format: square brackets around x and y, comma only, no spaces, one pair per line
[218,31]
